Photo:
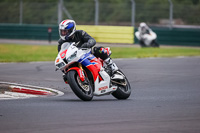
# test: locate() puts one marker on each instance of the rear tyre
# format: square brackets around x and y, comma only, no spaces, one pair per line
[142,44]
[155,44]
[82,90]
[123,91]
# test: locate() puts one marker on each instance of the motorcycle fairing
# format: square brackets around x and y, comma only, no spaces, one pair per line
[63,53]
[101,78]
[86,60]
[79,71]
[92,63]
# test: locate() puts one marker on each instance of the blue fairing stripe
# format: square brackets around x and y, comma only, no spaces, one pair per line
[85,60]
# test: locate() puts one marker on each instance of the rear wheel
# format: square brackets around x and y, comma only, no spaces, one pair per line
[124,89]
[83,90]
[155,44]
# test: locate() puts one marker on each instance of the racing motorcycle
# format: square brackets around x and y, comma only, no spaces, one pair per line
[147,39]
[88,76]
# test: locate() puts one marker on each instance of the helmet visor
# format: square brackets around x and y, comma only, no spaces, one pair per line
[64,32]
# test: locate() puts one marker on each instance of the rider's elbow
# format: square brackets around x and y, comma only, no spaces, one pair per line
[91,42]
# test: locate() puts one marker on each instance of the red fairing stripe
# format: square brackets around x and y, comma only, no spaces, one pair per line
[95,68]
[79,71]
[62,55]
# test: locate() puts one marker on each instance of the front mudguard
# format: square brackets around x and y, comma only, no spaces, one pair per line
[79,71]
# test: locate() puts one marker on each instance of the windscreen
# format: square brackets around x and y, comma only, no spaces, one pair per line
[65,46]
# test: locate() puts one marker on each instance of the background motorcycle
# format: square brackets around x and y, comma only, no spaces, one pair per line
[87,76]
[148,39]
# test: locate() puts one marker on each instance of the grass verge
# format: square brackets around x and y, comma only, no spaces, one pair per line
[154,52]
[27,53]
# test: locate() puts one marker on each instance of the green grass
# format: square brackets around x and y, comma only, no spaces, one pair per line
[154,52]
[27,53]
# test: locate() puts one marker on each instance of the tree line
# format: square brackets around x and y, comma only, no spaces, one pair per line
[111,12]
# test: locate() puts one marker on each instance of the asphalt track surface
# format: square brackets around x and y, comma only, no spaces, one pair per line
[165,99]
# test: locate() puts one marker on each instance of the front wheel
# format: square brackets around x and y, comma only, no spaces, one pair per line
[124,89]
[82,90]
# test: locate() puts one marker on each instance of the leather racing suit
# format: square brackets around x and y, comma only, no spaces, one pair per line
[84,40]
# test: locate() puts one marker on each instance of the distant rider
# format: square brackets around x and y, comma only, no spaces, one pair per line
[68,33]
[146,36]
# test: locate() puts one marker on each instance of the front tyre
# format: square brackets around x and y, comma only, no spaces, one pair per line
[124,89]
[82,90]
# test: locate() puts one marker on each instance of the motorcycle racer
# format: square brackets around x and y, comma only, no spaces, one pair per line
[68,33]
[144,29]
[146,36]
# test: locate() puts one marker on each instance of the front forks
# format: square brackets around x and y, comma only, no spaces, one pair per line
[79,70]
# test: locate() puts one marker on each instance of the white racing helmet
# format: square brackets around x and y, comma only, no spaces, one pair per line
[143,24]
[67,28]
[143,27]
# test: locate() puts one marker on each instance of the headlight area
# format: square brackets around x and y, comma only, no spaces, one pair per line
[60,65]
[69,59]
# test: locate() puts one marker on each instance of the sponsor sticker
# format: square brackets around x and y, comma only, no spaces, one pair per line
[103,88]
